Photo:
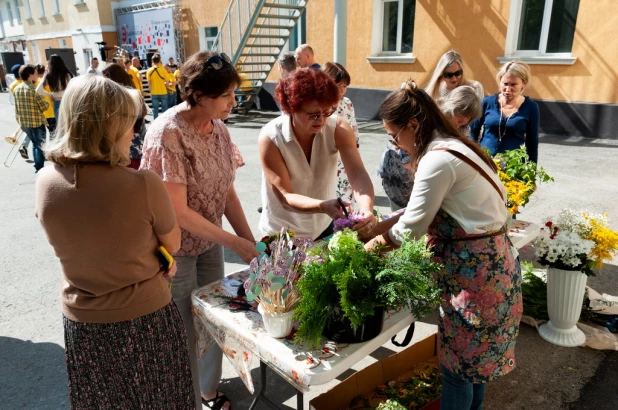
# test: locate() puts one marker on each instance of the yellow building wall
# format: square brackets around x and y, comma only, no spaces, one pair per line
[477,30]
[44,44]
[198,13]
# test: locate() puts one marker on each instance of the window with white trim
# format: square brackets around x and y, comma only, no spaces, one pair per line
[62,43]
[27,9]
[18,11]
[208,35]
[541,28]
[87,57]
[392,30]
[41,8]
[56,6]
[9,11]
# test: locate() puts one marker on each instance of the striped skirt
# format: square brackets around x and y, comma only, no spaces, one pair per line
[136,364]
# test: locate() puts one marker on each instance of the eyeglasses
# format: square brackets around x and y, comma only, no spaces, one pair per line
[217,61]
[394,140]
[457,73]
[317,117]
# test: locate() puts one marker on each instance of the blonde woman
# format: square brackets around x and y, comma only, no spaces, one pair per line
[448,75]
[125,343]
[461,106]
[509,119]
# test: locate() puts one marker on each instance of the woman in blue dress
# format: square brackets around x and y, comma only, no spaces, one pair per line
[509,118]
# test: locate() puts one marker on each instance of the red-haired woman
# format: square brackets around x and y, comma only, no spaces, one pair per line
[299,152]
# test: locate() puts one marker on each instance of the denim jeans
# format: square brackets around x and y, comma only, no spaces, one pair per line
[57,109]
[171,100]
[156,99]
[458,394]
[37,136]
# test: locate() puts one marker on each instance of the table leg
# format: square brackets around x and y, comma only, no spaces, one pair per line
[299,400]
[261,392]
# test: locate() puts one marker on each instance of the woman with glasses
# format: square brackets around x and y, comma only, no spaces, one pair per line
[448,75]
[299,152]
[191,149]
[118,74]
[459,201]
[509,119]
[345,110]
[126,347]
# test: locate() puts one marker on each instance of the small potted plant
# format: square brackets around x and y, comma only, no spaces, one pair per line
[572,246]
[519,176]
[272,280]
[345,290]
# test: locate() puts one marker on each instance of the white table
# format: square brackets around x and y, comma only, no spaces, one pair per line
[243,339]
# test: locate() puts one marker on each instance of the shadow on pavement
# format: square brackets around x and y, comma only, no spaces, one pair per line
[33,375]
[577,141]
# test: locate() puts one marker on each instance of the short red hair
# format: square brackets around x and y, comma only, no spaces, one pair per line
[304,85]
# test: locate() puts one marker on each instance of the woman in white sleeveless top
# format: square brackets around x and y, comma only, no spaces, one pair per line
[299,152]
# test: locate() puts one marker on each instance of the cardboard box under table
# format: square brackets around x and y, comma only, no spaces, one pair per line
[379,373]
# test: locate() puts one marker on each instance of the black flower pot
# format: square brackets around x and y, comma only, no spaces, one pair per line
[340,330]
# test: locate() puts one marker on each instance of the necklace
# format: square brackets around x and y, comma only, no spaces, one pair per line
[198,130]
[502,134]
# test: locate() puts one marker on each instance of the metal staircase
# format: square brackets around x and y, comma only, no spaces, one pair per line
[253,34]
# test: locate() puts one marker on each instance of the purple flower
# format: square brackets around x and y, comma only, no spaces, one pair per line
[342,223]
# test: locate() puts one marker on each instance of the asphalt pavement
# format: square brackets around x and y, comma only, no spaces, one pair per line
[33,375]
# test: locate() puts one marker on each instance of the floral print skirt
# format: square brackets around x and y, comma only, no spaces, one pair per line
[135,364]
[482,302]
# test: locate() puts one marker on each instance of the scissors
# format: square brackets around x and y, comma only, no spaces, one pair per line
[239,305]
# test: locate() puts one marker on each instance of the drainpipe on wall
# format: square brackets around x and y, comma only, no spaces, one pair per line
[341,32]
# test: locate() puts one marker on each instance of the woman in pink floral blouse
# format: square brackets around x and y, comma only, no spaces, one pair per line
[191,149]
[345,110]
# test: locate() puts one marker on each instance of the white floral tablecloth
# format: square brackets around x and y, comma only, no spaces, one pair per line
[243,339]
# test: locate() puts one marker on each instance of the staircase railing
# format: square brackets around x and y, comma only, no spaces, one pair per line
[240,16]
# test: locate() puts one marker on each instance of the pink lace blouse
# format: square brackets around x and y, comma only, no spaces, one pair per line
[206,163]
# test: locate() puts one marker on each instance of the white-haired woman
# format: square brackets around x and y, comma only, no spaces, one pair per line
[509,119]
[125,343]
[448,75]
[461,106]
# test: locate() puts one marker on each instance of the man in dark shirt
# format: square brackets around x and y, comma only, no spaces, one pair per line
[305,58]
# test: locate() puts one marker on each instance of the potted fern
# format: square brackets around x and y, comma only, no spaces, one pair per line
[345,290]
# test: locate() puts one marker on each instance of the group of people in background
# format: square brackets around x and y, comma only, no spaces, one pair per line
[106,221]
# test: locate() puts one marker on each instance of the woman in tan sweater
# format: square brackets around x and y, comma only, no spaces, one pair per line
[125,343]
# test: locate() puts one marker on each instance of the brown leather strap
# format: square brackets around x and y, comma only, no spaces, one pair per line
[473,165]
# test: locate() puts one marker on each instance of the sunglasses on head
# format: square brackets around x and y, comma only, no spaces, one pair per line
[218,60]
[457,73]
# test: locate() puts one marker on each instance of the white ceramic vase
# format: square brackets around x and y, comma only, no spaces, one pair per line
[565,295]
[277,325]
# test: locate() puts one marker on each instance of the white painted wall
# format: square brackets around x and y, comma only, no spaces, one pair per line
[9,30]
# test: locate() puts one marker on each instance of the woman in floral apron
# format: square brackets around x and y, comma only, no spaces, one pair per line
[459,201]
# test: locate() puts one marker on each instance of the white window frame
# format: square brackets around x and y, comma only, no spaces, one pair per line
[35,51]
[539,56]
[42,9]
[377,55]
[9,10]
[88,54]
[62,43]
[79,3]
[16,3]
[203,39]
[28,9]
[56,7]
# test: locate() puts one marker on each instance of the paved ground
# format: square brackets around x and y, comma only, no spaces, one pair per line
[33,376]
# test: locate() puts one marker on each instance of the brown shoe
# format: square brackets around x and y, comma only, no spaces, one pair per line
[23,151]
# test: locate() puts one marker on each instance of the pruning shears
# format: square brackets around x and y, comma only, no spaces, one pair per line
[239,305]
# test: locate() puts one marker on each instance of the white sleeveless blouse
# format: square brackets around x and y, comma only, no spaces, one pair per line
[316,180]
